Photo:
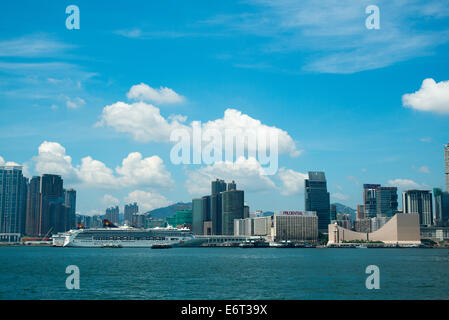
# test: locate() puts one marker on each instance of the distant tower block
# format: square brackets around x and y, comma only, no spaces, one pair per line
[446,165]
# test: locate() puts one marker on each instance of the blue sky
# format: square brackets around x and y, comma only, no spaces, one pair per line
[311,69]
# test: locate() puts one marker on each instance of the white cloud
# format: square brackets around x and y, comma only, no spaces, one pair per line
[236,121]
[249,176]
[292,182]
[146,200]
[38,45]
[96,174]
[139,171]
[135,171]
[422,169]
[332,34]
[248,173]
[52,159]
[133,33]
[75,103]
[339,196]
[143,121]
[432,97]
[426,139]
[109,201]
[144,92]
[405,184]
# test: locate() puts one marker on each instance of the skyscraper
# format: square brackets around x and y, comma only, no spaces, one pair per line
[232,186]
[317,198]
[70,202]
[360,212]
[197,216]
[446,165]
[333,215]
[217,187]
[33,207]
[420,202]
[441,217]
[370,199]
[232,208]
[51,202]
[387,201]
[130,210]
[13,193]
[112,215]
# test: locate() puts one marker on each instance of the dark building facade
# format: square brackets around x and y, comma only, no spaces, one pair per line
[441,218]
[130,210]
[420,202]
[233,203]
[317,198]
[70,202]
[33,207]
[13,193]
[218,186]
[52,206]
[370,200]
[197,216]
[387,201]
[446,165]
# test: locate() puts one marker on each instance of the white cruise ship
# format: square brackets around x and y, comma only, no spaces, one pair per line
[123,237]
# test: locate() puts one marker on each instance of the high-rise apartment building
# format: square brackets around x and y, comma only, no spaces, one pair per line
[387,201]
[130,211]
[420,202]
[52,201]
[232,208]
[370,199]
[112,215]
[13,193]
[70,202]
[317,198]
[33,207]
[360,212]
[446,165]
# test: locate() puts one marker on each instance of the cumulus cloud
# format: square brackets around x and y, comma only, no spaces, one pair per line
[7,163]
[110,201]
[144,92]
[247,172]
[292,182]
[249,176]
[135,170]
[52,159]
[147,200]
[432,97]
[405,184]
[143,121]
[242,124]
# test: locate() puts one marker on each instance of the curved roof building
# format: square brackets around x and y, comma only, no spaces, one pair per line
[400,229]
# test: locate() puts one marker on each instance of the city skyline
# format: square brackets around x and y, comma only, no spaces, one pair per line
[355,119]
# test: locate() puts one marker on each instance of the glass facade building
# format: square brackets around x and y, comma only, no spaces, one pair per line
[232,208]
[441,207]
[317,198]
[420,202]
[13,193]
[387,201]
